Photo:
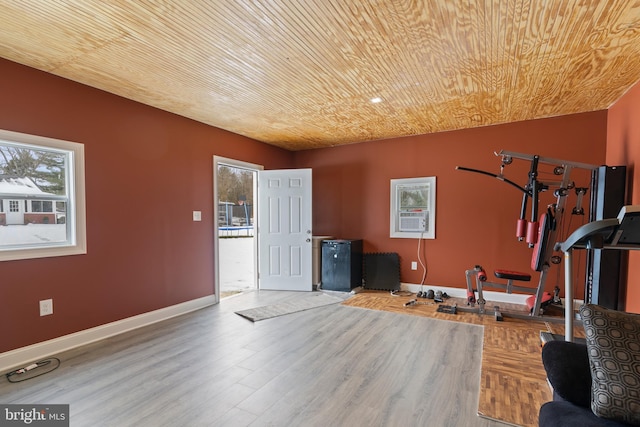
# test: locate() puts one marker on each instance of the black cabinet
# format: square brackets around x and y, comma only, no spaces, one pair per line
[341,264]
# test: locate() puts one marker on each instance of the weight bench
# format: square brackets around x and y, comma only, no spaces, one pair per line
[480,276]
[539,262]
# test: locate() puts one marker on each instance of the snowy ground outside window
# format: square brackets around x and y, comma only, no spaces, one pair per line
[32,233]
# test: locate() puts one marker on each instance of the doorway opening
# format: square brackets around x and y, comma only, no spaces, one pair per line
[235,197]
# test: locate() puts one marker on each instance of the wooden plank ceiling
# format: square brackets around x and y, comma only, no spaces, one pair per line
[302,74]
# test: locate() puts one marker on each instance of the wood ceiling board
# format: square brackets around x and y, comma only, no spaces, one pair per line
[301,76]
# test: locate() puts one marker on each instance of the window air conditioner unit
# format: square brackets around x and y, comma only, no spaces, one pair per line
[413,221]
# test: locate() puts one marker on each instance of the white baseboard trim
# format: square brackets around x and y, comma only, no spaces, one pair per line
[492,296]
[24,355]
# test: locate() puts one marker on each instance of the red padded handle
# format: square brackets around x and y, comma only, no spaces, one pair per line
[532,232]
[521,229]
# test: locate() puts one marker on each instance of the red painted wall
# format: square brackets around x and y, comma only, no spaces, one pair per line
[146,171]
[159,166]
[475,214]
[623,148]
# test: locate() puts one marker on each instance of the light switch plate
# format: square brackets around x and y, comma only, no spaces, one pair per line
[197,216]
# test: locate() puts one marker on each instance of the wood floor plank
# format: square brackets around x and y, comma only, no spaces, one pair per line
[513,381]
[334,365]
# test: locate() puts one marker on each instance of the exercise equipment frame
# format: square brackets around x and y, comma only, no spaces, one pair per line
[539,232]
[621,233]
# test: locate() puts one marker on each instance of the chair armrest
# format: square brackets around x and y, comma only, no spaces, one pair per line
[568,371]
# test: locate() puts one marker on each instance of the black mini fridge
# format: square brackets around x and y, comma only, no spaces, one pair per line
[341,264]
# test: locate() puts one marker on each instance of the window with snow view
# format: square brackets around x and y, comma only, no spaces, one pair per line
[42,209]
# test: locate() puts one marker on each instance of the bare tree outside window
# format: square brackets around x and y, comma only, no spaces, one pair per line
[45,168]
[235,184]
[235,196]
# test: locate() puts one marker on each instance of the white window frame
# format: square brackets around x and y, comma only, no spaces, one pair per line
[428,212]
[76,243]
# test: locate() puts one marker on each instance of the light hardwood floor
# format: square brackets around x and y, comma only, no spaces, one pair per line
[513,382]
[329,366]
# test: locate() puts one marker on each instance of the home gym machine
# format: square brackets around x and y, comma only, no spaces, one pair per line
[539,231]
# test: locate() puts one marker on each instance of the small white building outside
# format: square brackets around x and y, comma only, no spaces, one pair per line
[23,202]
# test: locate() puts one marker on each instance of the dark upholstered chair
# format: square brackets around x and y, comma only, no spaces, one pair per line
[597,384]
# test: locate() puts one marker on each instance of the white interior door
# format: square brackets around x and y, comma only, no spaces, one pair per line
[284,230]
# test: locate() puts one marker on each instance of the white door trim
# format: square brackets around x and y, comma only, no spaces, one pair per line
[216,245]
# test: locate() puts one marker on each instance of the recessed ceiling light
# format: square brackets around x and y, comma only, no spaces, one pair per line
[376,100]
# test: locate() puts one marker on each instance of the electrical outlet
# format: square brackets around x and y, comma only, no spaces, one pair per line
[46,307]
[197,215]
[414,265]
